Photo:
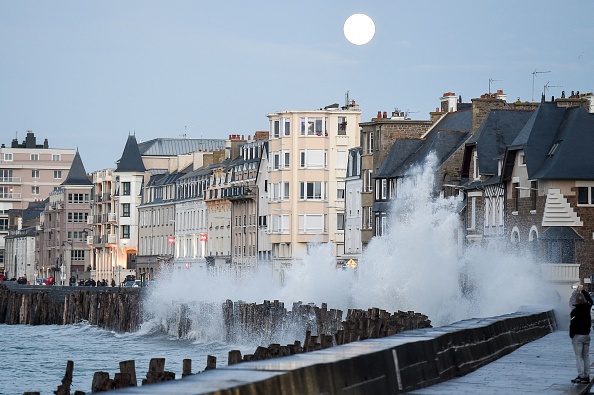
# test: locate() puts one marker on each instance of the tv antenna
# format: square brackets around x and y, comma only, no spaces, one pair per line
[491,80]
[409,112]
[346,98]
[547,86]
[534,73]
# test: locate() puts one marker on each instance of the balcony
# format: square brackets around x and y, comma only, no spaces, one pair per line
[112,238]
[112,217]
[9,195]
[90,219]
[560,272]
[10,180]
[89,240]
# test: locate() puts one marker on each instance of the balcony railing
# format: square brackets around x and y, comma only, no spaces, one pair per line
[89,240]
[10,179]
[10,195]
[112,239]
[112,217]
[560,272]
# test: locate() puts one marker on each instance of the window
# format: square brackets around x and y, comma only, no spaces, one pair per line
[125,209]
[280,223]
[585,195]
[312,191]
[311,223]
[78,236]
[34,157]
[312,159]
[78,198]
[367,180]
[341,159]
[34,173]
[516,192]
[35,190]
[286,126]
[340,221]
[56,157]
[533,194]
[561,251]
[276,129]
[313,126]
[8,157]
[6,175]
[77,255]
[340,191]
[126,188]
[369,217]
[286,159]
[77,217]
[57,174]
[370,142]
[125,231]
[3,223]
[342,124]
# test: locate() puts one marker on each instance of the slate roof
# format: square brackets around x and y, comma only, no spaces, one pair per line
[173,147]
[557,143]
[77,175]
[399,153]
[496,133]
[131,161]
[443,139]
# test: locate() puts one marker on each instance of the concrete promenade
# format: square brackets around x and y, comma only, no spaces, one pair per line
[544,366]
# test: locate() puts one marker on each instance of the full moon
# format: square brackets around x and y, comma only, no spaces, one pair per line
[359,29]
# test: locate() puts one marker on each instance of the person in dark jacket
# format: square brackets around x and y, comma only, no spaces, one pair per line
[579,331]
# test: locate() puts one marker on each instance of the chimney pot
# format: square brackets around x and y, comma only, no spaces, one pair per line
[379,114]
[385,114]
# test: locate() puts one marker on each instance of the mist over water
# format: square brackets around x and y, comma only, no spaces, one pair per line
[418,264]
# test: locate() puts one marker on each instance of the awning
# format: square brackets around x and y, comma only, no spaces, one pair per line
[560,233]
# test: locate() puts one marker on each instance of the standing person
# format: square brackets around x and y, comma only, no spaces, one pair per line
[113,284]
[579,331]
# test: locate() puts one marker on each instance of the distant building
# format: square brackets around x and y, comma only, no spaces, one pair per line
[63,251]
[353,219]
[28,173]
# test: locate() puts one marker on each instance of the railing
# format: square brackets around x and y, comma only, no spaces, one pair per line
[90,219]
[10,195]
[560,272]
[112,239]
[10,179]
[112,217]
[89,240]
[494,230]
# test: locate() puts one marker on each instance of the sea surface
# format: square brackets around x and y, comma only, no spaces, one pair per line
[33,358]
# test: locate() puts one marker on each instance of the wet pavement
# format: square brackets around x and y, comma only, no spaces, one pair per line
[544,366]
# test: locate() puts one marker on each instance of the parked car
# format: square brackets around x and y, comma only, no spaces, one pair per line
[133,284]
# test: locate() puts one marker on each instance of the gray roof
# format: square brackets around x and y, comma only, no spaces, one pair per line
[570,154]
[173,147]
[399,153]
[443,139]
[498,130]
[131,161]
[77,175]
[557,143]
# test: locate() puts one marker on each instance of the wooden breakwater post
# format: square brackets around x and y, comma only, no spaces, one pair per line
[117,309]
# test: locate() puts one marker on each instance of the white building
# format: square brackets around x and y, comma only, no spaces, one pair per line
[353,211]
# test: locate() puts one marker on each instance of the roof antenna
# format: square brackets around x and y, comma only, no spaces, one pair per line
[346,98]
[491,80]
[534,73]
[547,86]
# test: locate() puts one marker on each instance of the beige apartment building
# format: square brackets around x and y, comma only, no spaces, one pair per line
[307,167]
[28,173]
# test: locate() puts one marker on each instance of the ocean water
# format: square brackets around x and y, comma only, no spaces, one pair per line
[33,358]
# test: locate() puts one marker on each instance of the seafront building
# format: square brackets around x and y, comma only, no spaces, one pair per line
[28,173]
[308,153]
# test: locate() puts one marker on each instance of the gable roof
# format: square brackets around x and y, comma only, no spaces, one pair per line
[131,161]
[495,134]
[77,175]
[557,143]
[444,139]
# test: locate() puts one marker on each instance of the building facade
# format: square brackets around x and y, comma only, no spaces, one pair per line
[28,173]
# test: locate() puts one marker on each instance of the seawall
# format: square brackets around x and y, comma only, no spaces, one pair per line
[395,364]
[118,309]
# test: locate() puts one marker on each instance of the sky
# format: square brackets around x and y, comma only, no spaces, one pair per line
[85,74]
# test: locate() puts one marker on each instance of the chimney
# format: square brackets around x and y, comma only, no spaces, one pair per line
[45,144]
[449,102]
[379,115]
[385,114]
[30,140]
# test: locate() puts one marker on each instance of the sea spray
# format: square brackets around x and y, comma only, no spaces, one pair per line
[420,263]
